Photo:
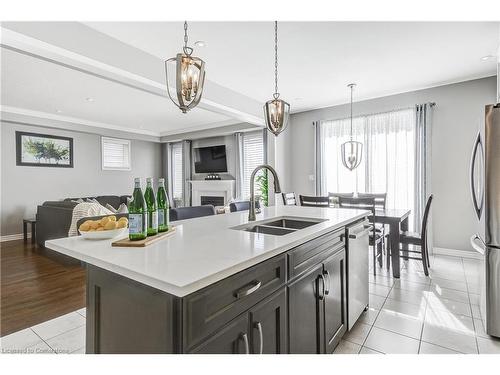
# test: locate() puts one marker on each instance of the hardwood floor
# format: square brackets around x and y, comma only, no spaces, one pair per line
[36,285]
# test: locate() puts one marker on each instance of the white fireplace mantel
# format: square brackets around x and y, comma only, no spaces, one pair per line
[212,188]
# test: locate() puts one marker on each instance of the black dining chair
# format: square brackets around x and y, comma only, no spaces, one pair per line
[418,239]
[334,197]
[242,206]
[380,199]
[380,204]
[377,238]
[313,201]
[289,199]
[183,213]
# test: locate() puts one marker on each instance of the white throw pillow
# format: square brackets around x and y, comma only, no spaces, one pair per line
[111,208]
[123,209]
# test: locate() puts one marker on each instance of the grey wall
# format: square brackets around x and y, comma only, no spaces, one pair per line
[23,188]
[459,111]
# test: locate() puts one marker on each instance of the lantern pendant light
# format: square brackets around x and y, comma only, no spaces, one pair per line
[189,77]
[276,110]
[352,151]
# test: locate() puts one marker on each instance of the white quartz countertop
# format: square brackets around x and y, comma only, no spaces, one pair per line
[203,250]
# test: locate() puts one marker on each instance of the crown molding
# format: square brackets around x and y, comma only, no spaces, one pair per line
[50,120]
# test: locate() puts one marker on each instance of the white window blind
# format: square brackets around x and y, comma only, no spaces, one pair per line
[253,155]
[177,181]
[115,154]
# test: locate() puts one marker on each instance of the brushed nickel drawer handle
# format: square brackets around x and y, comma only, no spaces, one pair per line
[322,295]
[261,337]
[244,337]
[327,288]
[249,289]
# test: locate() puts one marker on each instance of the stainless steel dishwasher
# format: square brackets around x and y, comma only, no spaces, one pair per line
[357,270]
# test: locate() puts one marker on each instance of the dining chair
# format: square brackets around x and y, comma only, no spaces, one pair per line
[242,206]
[334,197]
[183,213]
[313,201]
[289,199]
[377,237]
[380,204]
[418,239]
[380,199]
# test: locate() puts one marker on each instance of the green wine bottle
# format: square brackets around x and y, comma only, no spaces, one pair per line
[162,206]
[137,219]
[151,208]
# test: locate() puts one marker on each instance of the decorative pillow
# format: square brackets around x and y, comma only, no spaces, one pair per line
[111,208]
[123,209]
[91,200]
[79,200]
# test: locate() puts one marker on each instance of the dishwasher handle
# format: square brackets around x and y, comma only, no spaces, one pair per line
[363,232]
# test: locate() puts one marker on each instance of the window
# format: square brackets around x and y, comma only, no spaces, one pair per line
[115,154]
[177,179]
[389,157]
[252,156]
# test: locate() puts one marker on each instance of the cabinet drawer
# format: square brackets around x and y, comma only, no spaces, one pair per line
[210,308]
[310,253]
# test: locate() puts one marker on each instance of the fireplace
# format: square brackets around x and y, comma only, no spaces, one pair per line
[213,200]
[216,192]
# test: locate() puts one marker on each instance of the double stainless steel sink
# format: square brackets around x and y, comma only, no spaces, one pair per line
[279,226]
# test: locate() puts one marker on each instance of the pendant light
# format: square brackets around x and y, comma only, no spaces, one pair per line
[276,110]
[352,151]
[189,77]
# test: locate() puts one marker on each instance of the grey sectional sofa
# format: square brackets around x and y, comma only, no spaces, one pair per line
[54,217]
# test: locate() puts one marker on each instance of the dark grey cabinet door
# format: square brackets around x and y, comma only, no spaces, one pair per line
[268,325]
[231,339]
[334,301]
[304,313]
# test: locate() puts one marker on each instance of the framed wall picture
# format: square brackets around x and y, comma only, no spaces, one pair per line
[43,150]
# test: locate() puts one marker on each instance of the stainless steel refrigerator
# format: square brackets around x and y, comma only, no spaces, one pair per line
[485,189]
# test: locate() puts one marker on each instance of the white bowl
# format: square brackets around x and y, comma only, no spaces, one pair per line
[104,234]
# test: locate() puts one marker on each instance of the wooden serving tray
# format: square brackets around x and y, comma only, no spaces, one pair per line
[125,242]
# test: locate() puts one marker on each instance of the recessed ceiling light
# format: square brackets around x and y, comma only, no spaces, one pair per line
[487,57]
[89,99]
[200,43]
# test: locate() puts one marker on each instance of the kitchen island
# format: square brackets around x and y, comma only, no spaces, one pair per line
[217,287]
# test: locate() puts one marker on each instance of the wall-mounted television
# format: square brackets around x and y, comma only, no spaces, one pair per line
[210,159]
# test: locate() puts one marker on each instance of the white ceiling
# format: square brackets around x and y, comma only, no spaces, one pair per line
[39,85]
[316,62]
[318,59]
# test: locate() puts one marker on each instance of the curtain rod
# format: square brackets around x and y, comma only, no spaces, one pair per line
[432,104]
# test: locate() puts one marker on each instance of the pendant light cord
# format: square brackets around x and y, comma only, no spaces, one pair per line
[276,93]
[351,110]
[187,50]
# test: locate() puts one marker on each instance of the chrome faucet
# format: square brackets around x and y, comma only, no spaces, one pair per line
[277,188]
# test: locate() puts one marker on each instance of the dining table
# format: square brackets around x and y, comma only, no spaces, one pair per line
[397,220]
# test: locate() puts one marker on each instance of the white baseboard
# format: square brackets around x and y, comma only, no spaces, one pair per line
[456,253]
[13,237]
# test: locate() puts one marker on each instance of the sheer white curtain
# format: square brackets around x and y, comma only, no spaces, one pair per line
[335,177]
[388,163]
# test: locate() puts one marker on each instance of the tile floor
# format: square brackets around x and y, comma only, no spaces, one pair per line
[416,314]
